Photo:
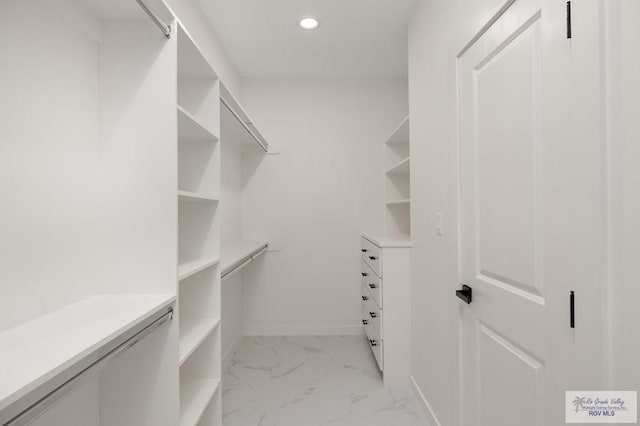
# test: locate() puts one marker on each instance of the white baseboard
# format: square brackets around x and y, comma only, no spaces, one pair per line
[424,404]
[303,330]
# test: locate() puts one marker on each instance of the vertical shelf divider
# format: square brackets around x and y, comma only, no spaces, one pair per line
[198,280]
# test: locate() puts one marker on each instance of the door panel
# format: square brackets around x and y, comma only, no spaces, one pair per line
[509,378]
[531,213]
[504,331]
[507,90]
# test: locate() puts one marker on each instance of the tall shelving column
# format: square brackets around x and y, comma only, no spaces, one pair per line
[397,181]
[198,115]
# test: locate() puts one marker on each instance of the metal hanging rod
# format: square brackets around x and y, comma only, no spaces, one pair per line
[166,29]
[38,407]
[245,125]
[242,262]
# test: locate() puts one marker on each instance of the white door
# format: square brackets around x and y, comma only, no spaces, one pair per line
[522,217]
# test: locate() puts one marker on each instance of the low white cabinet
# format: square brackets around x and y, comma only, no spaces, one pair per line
[386,303]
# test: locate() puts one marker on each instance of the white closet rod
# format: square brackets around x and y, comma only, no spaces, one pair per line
[242,262]
[245,125]
[166,29]
[31,412]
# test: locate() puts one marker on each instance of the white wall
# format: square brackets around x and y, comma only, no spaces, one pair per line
[230,211]
[48,159]
[315,197]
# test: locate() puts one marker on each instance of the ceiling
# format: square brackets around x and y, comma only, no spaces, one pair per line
[356,38]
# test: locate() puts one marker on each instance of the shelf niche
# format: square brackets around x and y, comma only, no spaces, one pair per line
[398,181]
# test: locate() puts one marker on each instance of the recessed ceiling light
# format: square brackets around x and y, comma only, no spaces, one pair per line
[309,23]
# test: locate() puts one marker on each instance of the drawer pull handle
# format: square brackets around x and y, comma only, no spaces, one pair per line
[364,250]
[373,342]
[365,322]
[372,286]
[372,314]
[364,274]
[365,298]
[372,257]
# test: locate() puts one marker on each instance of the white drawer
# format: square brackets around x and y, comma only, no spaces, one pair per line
[372,255]
[375,343]
[366,296]
[366,321]
[373,315]
[371,281]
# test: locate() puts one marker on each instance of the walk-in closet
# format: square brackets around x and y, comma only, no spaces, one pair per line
[319,212]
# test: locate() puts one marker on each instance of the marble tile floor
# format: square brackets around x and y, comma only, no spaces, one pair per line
[311,381]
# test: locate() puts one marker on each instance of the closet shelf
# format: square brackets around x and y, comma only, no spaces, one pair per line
[57,345]
[401,168]
[190,129]
[195,196]
[185,270]
[406,201]
[401,134]
[237,125]
[239,254]
[195,397]
[192,333]
[389,240]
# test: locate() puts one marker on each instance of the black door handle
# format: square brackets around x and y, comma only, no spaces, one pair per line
[365,298]
[364,274]
[465,294]
[365,322]
[373,342]
[372,286]
[363,250]
[372,314]
[372,257]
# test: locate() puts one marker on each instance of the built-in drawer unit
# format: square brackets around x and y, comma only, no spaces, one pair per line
[385,273]
[373,314]
[375,343]
[372,282]
[372,255]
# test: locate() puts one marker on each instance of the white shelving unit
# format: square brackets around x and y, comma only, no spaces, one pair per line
[197,395]
[192,334]
[190,129]
[188,269]
[194,196]
[401,168]
[121,216]
[386,266]
[399,202]
[69,344]
[89,182]
[198,235]
[397,181]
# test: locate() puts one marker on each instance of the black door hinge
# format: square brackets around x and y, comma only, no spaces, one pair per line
[569,19]
[572,310]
